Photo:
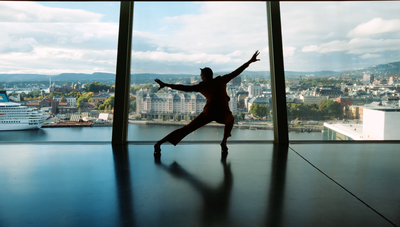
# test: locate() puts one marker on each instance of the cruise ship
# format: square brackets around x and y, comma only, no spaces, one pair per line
[13,116]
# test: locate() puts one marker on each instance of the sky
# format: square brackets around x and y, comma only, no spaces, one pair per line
[180,37]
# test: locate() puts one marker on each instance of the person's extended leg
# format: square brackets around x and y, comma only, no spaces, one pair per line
[176,136]
[228,121]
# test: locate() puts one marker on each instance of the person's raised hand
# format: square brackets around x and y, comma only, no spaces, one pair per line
[254,57]
[162,84]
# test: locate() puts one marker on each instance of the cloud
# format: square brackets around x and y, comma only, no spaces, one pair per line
[40,39]
[355,46]
[34,12]
[310,48]
[375,26]
[199,58]
[13,44]
[222,35]
[289,51]
[368,55]
[331,33]
[218,28]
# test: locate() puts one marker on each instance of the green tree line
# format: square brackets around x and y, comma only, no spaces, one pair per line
[97,87]
[328,109]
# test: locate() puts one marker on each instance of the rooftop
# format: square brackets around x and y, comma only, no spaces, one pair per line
[354,131]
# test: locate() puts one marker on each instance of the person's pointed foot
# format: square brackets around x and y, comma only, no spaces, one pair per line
[157,158]
[157,149]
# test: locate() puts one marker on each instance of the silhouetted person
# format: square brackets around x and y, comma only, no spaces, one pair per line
[216,108]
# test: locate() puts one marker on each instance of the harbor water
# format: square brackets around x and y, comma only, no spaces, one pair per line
[142,132]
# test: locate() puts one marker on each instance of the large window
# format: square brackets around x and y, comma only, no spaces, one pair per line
[341,68]
[172,40]
[58,63]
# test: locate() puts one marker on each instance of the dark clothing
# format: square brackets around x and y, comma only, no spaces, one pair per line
[216,108]
[204,118]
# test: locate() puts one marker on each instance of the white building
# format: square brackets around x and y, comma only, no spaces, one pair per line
[379,123]
[382,123]
[233,106]
[71,100]
[254,90]
[170,102]
[173,102]
[308,99]
[368,79]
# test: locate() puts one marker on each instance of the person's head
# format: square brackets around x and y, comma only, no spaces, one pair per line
[206,74]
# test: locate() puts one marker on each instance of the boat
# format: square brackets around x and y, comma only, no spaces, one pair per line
[13,116]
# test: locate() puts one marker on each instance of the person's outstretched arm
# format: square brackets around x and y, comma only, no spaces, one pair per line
[239,70]
[178,87]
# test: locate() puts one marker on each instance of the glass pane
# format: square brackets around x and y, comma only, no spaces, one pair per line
[172,41]
[342,68]
[58,63]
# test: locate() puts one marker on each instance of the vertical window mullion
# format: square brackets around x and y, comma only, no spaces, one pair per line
[277,73]
[122,80]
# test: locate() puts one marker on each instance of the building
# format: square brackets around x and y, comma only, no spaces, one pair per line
[368,79]
[87,106]
[233,101]
[328,90]
[309,99]
[378,123]
[344,101]
[261,99]
[354,112]
[381,122]
[100,99]
[254,90]
[71,100]
[65,89]
[40,104]
[237,81]
[171,102]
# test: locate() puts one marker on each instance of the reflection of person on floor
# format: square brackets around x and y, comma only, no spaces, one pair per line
[216,108]
[215,199]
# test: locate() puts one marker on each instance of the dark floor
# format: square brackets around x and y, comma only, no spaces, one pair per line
[190,185]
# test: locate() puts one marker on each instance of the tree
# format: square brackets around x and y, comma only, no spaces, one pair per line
[75,94]
[132,105]
[109,103]
[52,94]
[97,87]
[176,117]
[63,99]
[150,87]
[258,110]
[330,109]
[80,100]
[242,116]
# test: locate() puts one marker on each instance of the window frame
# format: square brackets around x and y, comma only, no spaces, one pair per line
[278,86]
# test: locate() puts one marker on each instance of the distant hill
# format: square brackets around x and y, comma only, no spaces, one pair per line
[383,69]
[390,69]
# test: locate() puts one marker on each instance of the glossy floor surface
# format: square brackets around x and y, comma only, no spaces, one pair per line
[192,185]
